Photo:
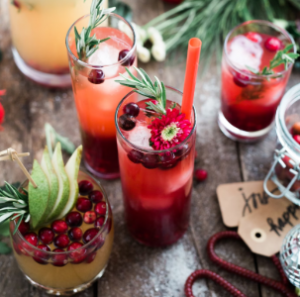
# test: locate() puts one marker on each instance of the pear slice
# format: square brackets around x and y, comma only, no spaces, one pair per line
[52,179]
[72,169]
[38,197]
[63,183]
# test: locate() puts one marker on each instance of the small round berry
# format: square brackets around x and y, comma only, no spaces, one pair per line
[78,253]
[75,234]
[83,204]
[126,122]
[131,109]
[99,222]
[46,235]
[297,138]
[135,156]
[241,79]
[89,217]
[89,234]
[61,241]
[40,256]
[200,174]
[59,259]
[74,219]
[129,61]
[168,160]
[24,228]
[273,44]
[96,196]
[296,128]
[100,208]
[32,238]
[85,187]
[16,3]
[90,258]
[59,226]
[150,161]
[96,76]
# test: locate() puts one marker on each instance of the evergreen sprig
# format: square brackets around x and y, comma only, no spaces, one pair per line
[86,44]
[147,88]
[281,57]
[13,205]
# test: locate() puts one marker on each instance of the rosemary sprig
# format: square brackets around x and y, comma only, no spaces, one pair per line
[147,88]
[281,57]
[13,205]
[86,44]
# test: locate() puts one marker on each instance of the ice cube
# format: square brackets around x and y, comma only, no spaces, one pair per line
[140,136]
[245,52]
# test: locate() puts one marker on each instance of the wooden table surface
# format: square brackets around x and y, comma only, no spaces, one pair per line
[135,270]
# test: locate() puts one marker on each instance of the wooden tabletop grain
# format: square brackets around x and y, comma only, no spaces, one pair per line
[135,270]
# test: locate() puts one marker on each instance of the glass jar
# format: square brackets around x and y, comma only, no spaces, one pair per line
[285,171]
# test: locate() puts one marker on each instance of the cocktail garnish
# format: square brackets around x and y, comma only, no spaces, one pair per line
[281,57]
[145,87]
[86,44]
[170,130]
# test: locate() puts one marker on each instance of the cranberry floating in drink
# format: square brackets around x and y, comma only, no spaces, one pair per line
[96,94]
[257,61]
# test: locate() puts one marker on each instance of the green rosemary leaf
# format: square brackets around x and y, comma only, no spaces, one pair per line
[145,95]
[18,223]
[131,75]
[4,248]
[163,95]
[5,216]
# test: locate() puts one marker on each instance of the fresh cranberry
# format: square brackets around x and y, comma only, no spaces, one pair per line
[74,219]
[59,226]
[16,4]
[135,156]
[84,204]
[241,80]
[273,44]
[59,259]
[32,238]
[296,128]
[126,122]
[90,217]
[129,61]
[40,256]
[200,174]
[99,222]
[78,253]
[61,241]
[46,235]
[297,138]
[90,258]
[96,76]
[150,161]
[75,234]
[24,228]
[131,109]
[181,151]
[100,208]
[89,234]
[96,196]
[85,187]
[253,36]
[168,160]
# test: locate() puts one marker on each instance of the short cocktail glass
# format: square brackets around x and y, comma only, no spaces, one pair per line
[248,100]
[38,29]
[67,272]
[156,185]
[96,101]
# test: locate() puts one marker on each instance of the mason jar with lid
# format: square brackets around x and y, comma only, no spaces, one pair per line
[285,171]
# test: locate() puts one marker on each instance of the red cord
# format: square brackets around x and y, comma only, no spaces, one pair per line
[276,285]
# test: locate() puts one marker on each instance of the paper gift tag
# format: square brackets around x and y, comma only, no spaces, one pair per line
[263,221]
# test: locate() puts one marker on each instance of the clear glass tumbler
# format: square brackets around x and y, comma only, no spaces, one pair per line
[248,100]
[96,101]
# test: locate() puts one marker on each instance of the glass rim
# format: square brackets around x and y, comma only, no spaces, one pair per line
[289,98]
[85,64]
[148,150]
[35,248]
[263,22]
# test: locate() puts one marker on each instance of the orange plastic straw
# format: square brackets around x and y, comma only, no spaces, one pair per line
[192,63]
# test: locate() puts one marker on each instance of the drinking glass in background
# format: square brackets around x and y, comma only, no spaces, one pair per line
[96,93]
[156,184]
[248,100]
[38,30]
